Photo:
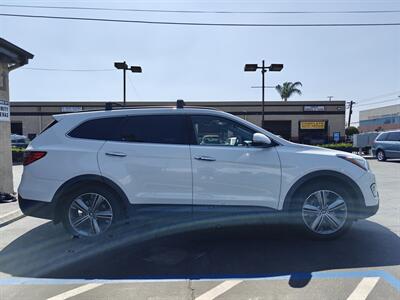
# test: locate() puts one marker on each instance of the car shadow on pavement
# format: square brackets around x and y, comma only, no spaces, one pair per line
[248,251]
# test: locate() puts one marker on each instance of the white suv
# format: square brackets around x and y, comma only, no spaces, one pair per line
[86,169]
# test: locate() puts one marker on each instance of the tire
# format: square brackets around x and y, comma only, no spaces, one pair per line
[318,221]
[380,155]
[89,211]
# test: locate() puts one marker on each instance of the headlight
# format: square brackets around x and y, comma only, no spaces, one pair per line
[360,162]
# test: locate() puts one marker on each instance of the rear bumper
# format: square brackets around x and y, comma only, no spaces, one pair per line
[38,209]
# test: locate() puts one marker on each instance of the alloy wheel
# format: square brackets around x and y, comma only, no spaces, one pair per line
[324,212]
[381,156]
[90,214]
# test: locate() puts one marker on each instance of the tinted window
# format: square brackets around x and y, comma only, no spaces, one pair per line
[393,136]
[98,129]
[216,131]
[162,129]
[382,137]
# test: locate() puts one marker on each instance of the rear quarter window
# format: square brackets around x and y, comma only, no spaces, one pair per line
[393,136]
[98,129]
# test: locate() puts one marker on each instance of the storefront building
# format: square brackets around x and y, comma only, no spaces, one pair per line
[310,122]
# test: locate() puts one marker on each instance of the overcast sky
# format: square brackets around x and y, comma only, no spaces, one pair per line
[206,63]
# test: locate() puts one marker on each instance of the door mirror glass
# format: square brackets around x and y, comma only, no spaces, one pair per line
[261,139]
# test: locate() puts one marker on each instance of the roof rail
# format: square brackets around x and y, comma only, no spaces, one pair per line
[179,105]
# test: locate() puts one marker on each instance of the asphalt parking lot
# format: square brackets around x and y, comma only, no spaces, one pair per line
[39,261]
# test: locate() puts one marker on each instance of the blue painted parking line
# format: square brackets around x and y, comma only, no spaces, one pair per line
[389,278]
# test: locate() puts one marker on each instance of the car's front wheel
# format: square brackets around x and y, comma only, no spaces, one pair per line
[89,211]
[323,210]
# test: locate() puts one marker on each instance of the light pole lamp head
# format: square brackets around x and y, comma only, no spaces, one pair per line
[275,67]
[250,67]
[121,65]
[136,69]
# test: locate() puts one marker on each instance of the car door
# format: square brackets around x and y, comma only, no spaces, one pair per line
[150,160]
[228,169]
[393,145]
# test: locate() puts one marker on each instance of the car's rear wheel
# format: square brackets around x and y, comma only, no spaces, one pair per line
[90,211]
[323,210]
[380,155]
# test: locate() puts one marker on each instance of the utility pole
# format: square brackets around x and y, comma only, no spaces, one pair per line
[351,103]
[329,97]
[124,85]
[263,70]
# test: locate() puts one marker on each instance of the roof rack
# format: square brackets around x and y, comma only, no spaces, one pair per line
[179,105]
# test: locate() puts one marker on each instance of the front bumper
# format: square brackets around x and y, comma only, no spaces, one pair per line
[368,188]
[367,212]
[38,209]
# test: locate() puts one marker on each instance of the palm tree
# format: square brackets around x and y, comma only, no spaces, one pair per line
[287,89]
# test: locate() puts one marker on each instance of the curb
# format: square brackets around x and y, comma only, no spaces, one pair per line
[11,217]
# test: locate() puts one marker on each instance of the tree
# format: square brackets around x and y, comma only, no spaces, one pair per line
[351,130]
[287,89]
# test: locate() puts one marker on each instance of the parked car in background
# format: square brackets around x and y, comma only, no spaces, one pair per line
[87,168]
[19,141]
[387,145]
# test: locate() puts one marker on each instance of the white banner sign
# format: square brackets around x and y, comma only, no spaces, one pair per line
[4,110]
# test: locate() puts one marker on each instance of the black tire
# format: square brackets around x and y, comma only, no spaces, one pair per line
[380,155]
[306,191]
[85,191]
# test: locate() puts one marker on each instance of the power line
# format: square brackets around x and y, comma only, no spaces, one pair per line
[70,70]
[201,24]
[202,11]
[380,96]
[377,102]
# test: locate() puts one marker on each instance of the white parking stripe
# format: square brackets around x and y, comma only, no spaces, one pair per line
[363,289]
[10,213]
[219,290]
[77,291]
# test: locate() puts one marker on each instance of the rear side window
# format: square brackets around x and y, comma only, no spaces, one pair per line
[160,129]
[382,137]
[99,129]
[394,136]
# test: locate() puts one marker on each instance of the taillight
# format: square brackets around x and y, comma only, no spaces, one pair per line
[32,156]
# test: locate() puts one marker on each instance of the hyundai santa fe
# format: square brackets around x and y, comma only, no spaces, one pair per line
[86,169]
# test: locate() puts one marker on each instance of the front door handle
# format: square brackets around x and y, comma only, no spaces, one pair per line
[206,158]
[118,154]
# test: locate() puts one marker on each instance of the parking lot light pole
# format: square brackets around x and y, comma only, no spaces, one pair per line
[123,66]
[271,68]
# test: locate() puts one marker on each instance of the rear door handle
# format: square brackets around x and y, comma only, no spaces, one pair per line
[206,158]
[118,154]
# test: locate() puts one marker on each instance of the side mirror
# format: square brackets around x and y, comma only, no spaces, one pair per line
[261,139]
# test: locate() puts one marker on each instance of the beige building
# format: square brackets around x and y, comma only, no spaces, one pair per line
[304,121]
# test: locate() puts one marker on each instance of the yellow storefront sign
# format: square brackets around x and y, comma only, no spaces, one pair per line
[312,125]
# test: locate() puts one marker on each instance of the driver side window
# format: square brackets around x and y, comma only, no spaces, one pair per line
[217,131]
